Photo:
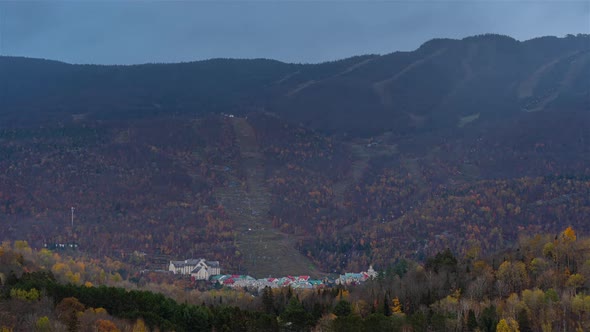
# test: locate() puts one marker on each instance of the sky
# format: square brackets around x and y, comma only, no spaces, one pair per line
[130,32]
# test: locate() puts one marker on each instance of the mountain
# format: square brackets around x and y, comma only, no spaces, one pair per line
[437,86]
[445,82]
[277,168]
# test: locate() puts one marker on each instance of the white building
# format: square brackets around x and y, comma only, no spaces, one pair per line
[200,269]
[356,278]
[371,273]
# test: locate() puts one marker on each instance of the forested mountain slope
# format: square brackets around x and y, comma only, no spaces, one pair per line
[461,144]
[439,85]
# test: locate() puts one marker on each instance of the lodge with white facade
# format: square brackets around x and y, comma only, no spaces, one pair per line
[200,269]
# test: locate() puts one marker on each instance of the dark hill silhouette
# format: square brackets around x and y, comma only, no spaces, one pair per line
[432,87]
[445,80]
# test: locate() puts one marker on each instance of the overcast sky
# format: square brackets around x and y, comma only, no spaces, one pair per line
[126,32]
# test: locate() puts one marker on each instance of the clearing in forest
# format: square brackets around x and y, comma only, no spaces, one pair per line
[265,251]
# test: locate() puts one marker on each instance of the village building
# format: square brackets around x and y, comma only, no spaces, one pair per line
[295,282]
[356,278]
[200,269]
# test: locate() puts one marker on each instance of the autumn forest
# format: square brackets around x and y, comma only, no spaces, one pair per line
[460,171]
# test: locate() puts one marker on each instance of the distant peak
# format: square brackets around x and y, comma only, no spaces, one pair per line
[490,37]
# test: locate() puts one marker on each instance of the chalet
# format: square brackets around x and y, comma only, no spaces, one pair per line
[200,269]
[356,278]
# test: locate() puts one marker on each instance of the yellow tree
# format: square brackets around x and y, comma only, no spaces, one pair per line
[574,282]
[507,325]
[396,306]
[140,326]
[31,295]
[513,305]
[569,235]
[566,248]
[512,277]
[43,324]
[534,300]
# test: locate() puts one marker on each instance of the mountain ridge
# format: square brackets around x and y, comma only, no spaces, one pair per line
[327,96]
[463,144]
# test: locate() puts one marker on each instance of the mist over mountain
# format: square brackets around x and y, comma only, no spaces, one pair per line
[458,144]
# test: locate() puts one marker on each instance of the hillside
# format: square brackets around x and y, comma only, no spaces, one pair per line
[440,85]
[462,144]
[540,284]
[443,84]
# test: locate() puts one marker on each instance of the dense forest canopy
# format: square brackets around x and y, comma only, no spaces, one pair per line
[541,284]
[460,145]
